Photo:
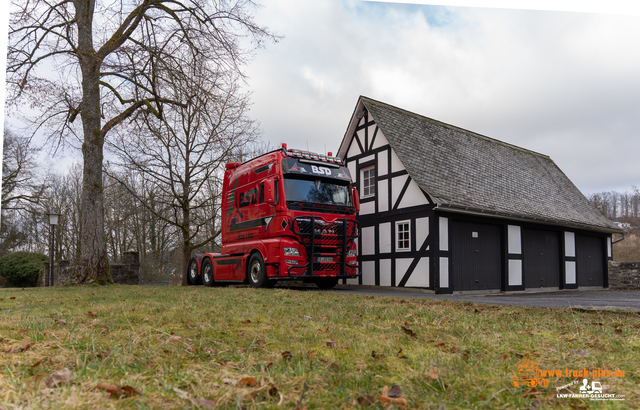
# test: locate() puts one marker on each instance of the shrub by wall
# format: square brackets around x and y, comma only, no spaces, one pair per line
[22,268]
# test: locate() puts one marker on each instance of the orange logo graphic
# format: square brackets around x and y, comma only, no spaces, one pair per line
[528,374]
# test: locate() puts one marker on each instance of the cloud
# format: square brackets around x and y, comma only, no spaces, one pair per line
[564,84]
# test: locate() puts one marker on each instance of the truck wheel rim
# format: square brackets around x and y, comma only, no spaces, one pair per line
[192,272]
[207,274]
[255,271]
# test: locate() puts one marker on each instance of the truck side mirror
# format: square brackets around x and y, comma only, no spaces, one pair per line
[356,198]
[269,192]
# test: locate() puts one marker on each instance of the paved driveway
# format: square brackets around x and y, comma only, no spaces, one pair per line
[589,298]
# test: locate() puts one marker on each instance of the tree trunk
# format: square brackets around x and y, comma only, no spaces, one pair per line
[186,247]
[93,249]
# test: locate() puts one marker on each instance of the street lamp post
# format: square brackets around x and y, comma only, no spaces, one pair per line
[53,221]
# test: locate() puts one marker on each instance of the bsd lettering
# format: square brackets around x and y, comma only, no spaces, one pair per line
[320,170]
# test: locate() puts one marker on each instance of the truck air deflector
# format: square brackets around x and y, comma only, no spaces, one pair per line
[326,244]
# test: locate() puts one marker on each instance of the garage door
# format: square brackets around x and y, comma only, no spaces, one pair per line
[475,256]
[590,260]
[541,254]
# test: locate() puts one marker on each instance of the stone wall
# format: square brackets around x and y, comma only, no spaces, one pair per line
[624,275]
[127,273]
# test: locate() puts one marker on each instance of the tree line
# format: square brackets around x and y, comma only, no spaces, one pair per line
[623,207]
[141,214]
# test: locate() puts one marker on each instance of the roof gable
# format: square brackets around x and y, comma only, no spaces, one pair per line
[465,171]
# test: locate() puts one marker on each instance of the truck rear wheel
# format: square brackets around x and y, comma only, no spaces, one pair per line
[207,273]
[257,272]
[327,283]
[192,272]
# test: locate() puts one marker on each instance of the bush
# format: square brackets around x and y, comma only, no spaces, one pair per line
[22,268]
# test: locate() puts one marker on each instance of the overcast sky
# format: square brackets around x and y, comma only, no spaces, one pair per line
[566,84]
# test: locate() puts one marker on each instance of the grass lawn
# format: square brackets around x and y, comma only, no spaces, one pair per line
[196,347]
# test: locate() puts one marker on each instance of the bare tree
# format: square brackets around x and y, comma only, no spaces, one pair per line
[109,57]
[183,155]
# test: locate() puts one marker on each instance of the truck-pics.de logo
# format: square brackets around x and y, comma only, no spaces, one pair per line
[528,374]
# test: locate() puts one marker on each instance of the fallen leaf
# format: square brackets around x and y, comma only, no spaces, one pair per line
[307,317]
[377,356]
[12,297]
[261,342]
[286,355]
[61,321]
[38,363]
[229,381]
[171,339]
[93,314]
[58,377]
[409,331]
[531,392]
[386,399]
[399,355]
[26,345]
[366,400]
[394,391]
[112,389]
[246,322]
[310,354]
[130,391]
[247,382]
[273,390]
[331,343]
[618,331]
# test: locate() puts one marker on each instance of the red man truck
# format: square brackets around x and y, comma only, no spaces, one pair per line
[286,215]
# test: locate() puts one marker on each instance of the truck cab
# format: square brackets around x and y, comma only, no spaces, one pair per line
[286,215]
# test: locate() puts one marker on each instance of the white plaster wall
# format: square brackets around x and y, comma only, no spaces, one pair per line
[515,272]
[380,141]
[383,163]
[413,196]
[383,195]
[367,158]
[369,273]
[396,164]
[422,231]
[569,244]
[444,234]
[367,208]
[570,268]
[396,187]
[401,268]
[354,149]
[515,240]
[384,230]
[420,275]
[352,170]
[385,272]
[444,272]
[368,240]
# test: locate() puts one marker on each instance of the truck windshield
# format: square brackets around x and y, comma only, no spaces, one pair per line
[319,191]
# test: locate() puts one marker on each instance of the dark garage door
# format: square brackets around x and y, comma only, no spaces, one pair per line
[475,256]
[541,253]
[590,260]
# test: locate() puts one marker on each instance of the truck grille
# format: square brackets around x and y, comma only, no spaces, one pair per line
[324,239]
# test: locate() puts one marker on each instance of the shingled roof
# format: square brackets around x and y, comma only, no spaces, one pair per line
[464,171]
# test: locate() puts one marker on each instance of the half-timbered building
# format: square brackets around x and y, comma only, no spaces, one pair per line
[455,211]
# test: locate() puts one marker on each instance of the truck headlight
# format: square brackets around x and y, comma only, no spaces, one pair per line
[291,252]
[352,253]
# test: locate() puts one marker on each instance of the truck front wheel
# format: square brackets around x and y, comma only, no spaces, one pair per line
[192,273]
[207,273]
[257,272]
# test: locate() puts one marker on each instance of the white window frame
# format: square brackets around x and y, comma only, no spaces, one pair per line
[371,179]
[406,239]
